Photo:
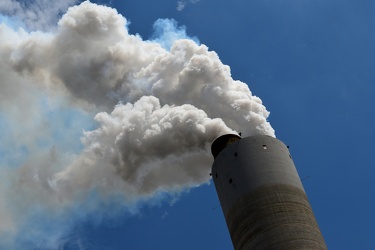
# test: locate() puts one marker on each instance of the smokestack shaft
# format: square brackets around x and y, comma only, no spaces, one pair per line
[262,197]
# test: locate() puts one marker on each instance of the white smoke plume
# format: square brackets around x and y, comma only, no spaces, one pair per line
[91,115]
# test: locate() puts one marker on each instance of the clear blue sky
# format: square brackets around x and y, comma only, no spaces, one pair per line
[312,64]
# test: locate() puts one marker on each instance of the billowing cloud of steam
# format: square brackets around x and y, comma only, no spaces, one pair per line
[157,105]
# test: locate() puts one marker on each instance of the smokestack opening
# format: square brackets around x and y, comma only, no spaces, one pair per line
[222,142]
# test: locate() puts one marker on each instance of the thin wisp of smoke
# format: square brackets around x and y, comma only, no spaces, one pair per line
[89,108]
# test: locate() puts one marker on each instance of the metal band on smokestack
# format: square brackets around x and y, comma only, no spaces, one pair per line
[261,195]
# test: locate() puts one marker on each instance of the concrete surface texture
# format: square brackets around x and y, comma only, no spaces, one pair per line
[262,197]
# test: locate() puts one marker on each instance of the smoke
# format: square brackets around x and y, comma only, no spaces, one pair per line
[35,14]
[92,116]
[182,4]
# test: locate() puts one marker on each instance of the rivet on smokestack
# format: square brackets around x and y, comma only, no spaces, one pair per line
[261,195]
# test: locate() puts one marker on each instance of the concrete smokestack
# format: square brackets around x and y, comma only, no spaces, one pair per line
[261,195]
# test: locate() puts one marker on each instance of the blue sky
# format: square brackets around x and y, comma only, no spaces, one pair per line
[310,61]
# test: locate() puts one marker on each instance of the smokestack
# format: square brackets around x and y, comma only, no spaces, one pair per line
[261,195]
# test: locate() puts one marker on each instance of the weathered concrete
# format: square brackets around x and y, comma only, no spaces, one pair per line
[262,197]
